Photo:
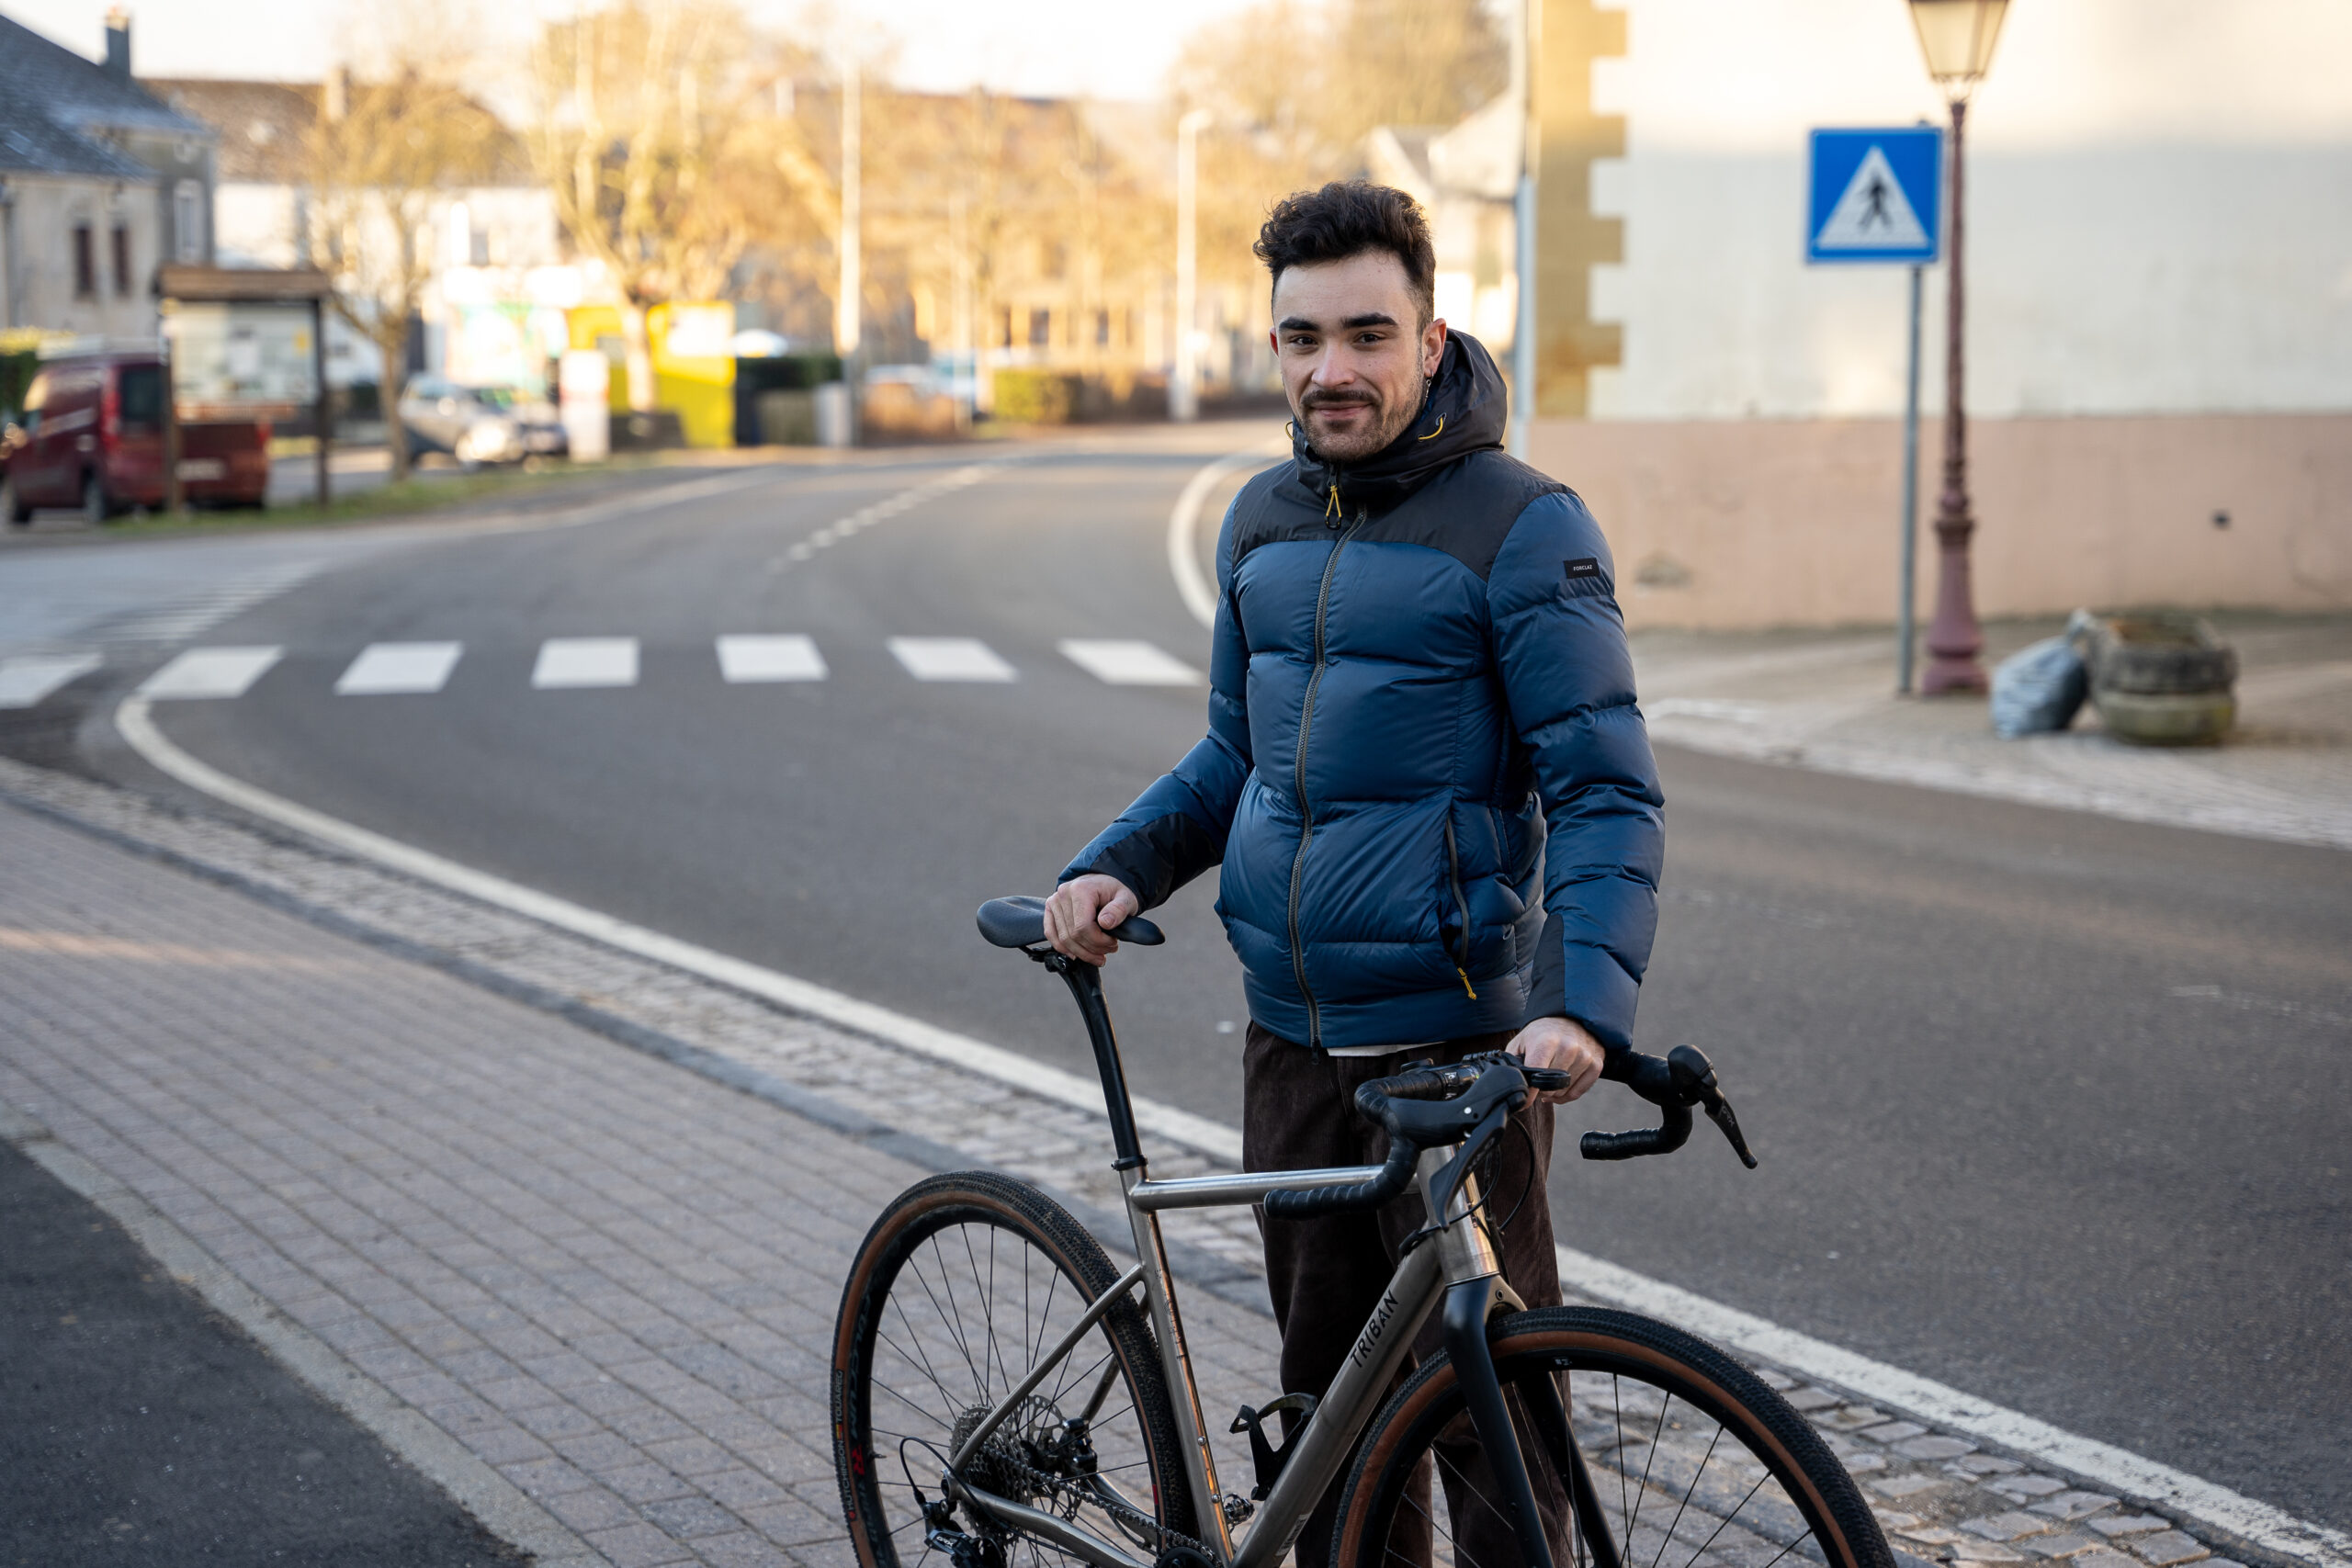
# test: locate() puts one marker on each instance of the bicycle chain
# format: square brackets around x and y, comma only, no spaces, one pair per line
[1053,1486]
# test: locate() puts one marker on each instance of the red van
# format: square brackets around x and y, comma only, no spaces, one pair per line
[91,436]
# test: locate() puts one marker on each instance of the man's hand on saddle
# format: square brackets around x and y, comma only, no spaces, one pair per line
[1564,1044]
[1083,912]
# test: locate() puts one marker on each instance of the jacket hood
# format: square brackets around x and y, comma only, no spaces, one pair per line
[1465,411]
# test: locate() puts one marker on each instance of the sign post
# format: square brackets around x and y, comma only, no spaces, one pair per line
[1877,196]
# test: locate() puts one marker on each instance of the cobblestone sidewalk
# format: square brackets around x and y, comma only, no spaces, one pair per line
[1826,703]
[444,1160]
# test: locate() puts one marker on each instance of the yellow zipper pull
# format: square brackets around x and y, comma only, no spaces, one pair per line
[1333,510]
[1466,981]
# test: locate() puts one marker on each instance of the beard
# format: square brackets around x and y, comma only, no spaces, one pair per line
[1381,422]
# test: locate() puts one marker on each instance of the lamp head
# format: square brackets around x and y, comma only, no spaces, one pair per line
[1957,37]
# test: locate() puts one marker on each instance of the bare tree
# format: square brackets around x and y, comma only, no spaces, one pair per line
[1296,85]
[639,133]
[384,152]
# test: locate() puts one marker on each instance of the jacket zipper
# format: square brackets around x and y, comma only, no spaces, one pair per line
[1453,881]
[1299,781]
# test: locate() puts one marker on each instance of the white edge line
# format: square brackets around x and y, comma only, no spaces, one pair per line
[490,1497]
[1192,585]
[135,719]
[2128,1473]
[2216,1506]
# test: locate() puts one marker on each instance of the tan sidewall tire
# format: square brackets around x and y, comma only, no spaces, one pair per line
[1695,1371]
[985,1196]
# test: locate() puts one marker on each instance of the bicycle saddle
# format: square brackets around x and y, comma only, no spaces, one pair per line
[1020,923]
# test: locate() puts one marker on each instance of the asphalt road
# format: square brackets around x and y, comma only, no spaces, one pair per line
[2051,1106]
[141,1428]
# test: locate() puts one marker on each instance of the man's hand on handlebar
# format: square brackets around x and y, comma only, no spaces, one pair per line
[1561,1043]
[1082,913]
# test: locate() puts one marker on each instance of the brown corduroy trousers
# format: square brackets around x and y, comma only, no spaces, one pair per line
[1326,1275]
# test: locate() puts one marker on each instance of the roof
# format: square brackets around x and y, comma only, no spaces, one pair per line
[261,124]
[57,109]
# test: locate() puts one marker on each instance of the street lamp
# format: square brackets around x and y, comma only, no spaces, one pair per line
[1957,37]
[1184,382]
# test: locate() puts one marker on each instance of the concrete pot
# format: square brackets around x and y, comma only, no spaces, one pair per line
[2158,678]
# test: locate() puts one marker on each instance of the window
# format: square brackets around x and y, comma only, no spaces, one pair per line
[187,221]
[1101,328]
[85,262]
[123,261]
[1041,328]
[140,389]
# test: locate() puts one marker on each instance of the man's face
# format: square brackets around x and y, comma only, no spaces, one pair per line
[1354,358]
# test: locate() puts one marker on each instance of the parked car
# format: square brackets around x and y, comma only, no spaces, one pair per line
[479,424]
[91,435]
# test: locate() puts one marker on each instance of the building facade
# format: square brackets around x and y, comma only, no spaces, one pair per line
[100,184]
[2159,276]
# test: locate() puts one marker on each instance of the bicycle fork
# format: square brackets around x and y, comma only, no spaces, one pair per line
[1471,1303]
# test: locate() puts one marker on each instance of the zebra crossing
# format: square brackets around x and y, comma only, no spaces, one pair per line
[588,663]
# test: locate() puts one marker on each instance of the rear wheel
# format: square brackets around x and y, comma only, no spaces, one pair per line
[964,1285]
[1679,1457]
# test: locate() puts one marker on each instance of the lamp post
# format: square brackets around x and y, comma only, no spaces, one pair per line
[1957,37]
[1184,380]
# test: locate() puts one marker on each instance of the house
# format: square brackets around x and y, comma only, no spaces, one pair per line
[100,184]
[1465,176]
[493,310]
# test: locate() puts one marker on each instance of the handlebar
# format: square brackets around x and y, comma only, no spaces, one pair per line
[1423,1107]
[1682,1079]
[1426,1106]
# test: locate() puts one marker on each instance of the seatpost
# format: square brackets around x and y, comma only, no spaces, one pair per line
[1085,982]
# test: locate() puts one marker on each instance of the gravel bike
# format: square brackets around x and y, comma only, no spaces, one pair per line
[1005,1396]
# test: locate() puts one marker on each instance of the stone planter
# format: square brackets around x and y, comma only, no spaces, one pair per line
[2159,678]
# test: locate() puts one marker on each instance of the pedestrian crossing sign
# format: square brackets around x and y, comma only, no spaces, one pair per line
[1876,196]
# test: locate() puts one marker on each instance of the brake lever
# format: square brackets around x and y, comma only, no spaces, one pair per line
[1694,1084]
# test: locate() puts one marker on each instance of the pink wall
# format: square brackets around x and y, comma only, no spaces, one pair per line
[1792,523]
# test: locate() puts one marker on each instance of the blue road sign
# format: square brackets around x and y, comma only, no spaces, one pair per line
[1877,196]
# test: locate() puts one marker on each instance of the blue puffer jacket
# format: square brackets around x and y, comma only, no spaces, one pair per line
[1418,663]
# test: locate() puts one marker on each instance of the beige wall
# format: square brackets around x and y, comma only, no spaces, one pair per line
[41,293]
[1762,523]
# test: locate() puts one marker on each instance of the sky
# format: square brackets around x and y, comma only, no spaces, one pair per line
[1047,48]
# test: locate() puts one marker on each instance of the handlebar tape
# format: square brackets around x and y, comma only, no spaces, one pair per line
[1410,1125]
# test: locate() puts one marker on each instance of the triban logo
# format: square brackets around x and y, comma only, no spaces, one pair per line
[1873,214]
[1369,1341]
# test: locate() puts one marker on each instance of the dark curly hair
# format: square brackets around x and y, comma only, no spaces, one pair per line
[1346,219]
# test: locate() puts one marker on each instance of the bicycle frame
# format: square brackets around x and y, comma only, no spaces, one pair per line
[1460,1253]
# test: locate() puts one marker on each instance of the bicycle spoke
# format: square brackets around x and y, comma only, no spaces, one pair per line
[1686,1491]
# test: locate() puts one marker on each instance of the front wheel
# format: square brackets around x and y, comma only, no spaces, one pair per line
[964,1285]
[1673,1456]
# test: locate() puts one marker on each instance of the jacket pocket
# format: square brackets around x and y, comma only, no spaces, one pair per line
[1458,949]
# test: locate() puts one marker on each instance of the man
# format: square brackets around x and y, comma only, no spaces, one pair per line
[1419,668]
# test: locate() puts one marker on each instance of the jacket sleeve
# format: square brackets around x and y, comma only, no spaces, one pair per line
[1176,830]
[1568,678]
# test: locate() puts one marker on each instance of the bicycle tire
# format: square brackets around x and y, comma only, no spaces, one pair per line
[990,1238]
[1774,1482]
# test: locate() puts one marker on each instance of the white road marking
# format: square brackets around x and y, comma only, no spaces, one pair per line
[875,512]
[1876,1380]
[1127,662]
[747,659]
[570,661]
[1194,585]
[387,668]
[25,680]
[203,672]
[949,659]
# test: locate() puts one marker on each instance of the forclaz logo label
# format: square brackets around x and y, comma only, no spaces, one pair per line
[1369,1341]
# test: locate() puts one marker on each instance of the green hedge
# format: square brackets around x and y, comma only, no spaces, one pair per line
[1035,396]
